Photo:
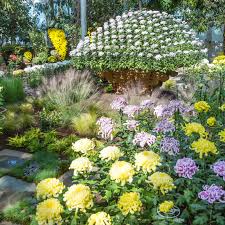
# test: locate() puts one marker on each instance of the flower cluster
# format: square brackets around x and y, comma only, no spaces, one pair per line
[186,167]
[170,145]
[110,153]
[106,127]
[202,106]
[164,126]
[219,168]
[219,60]
[131,110]
[118,104]
[129,203]
[143,139]
[211,121]
[131,124]
[58,39]
[83,145]
[147,40]
[166,206]
[50,187]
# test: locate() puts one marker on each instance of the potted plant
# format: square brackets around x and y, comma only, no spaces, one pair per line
[143,46]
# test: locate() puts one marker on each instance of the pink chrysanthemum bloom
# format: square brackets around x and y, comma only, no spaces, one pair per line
[143,139]
[119,103]
[131,124]
[106,126]
[131,110]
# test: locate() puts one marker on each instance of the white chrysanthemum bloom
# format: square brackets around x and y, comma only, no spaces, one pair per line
[110,153]
[122,172]
[83,145]
[147,161]
[81,165]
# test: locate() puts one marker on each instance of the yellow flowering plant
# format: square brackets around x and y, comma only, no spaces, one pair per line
[166,206]
[28,56]
[202,106]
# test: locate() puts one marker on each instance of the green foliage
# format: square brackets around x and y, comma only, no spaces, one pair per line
[37,39]
[41,58]
[12,89]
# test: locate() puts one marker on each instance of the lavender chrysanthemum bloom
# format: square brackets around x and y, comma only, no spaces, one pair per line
[174,106]
[186,167]
[158,110]
[212,193]
[164,126]
[106,126]
[119,103]
[219,169]
[146,104]
[131,124]
[143,139]
[170,145]
[131,110]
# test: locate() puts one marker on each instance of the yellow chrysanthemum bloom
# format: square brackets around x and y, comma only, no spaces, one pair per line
[78,196]
[222,135]
[162,181]
[84,145]
[169,84]
[204,147]
[28,56]
[49,212]
[110,153]
[58,39]
[122,172]
[211,121]
[129,203]
[202,106]
[50,187]
[147,160]
[18,72]
[222,107]
[197,128]
[219,60]
[81,165]
[166,206]
[100,218]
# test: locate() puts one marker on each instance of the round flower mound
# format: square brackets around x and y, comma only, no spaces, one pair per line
[222,135]
[219,168]
[50,187]
[131,110]
[162,181]
[129,203]
[143,139]
[147,160]
[100,218]
[110,153]
[145,40]
[118,104]
[211,121]
[166,206]
[49,212]
[58,39]
[81,165]
[186,167]
[122,172]
[204,147]
[197,128]
[83,145]
[211,193]
[219,60]
[77,197]
[131,124]
[106,126]
[170,145]
[202,106]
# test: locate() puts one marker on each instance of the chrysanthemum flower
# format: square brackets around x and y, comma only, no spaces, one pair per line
[219,168]
[197,128]
[119,103]
[131,110]
[122,172]
[170,145]
[106,127]
[81,165]
[166,206]
[222,135]
[211,121]
[110,153]
[100,218]
[49,212]
[129,203]
[162,181]
[202,106]
[131,124]
[147,160]
[77,197]
[143,139]
[83,145]
[50,187]
[204,147]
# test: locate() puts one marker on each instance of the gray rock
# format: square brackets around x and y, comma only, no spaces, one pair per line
[66,178]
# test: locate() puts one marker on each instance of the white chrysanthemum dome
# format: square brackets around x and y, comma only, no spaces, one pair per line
[146,40]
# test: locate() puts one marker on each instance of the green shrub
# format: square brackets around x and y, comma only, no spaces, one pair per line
[12,89]
[41,58]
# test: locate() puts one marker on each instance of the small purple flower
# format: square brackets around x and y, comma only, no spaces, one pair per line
[212,193]
[143,139]
[131,124]
[106,126]
[158,110]
[170,145]
[131,110]
[119,103]
[146,104]
[164,126]
[186,167]
[219,169]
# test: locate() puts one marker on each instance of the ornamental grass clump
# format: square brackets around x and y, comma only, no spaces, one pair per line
[140,40]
